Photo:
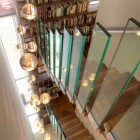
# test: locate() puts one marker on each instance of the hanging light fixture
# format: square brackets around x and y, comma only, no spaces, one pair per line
[28,62]
[29,11]
[138,33]
[39,124]
[21,30]
[37,109]
[31,79]
[32,47]
[21,46]
[45,98]
[34,98]
[47,136]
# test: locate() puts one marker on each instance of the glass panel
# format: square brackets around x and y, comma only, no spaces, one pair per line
[52,51]
[128,127]
[58,53]
[67,45]
[76,59]
[122,69]
[98,48]
[49,59]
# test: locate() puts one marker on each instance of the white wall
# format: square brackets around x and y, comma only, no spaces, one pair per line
[114,14]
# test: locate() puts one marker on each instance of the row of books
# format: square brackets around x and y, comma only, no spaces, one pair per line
[70,22]
[64,9]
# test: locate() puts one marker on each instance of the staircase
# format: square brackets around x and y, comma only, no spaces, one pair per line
[70,124]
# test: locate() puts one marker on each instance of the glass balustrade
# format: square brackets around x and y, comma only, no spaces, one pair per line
[66,56]
[128,128]
[58,53]
[94,64]
[122,75]
[52,52]
[79,39]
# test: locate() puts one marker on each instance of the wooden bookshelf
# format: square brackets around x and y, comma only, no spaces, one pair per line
[69,16]
[57,2]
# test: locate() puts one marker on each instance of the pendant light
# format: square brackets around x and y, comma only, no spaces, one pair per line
[85,83]
[31,79]
[45,98]
[32,47]
[21,46]
[29,11]
[91,76]
[34,98]
[21,30]
[28,62]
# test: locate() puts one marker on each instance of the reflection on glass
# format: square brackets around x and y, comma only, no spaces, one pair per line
[58,53]
[98,47]
[67,45]
[121,71]
[52,51]
[76,59]
[128,128]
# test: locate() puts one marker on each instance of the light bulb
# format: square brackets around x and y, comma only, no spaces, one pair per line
[138,33]
[45,98]
[32,47]
[21,30]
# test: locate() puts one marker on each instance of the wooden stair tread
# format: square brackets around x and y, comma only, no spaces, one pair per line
[70,123]
[80,135]
[73,129]
[66,118]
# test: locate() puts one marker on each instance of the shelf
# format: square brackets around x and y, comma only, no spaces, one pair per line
[57,2]
[71,15]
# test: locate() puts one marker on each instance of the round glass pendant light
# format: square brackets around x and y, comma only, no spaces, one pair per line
[34,98]
[91,76]
[21,30]
[31,79]
[29,11]
[45,98]
[32,47]
[28,62]
[21,46]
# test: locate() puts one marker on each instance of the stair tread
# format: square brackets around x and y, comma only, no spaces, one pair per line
[70,123]
[67,118]
[82,134]
[73,129]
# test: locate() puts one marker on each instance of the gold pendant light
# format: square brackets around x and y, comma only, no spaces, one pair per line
[29,11]
[21,30]
[45,98]
[47,136]
[21,46]
[28,62]
[31,79]
[32,47]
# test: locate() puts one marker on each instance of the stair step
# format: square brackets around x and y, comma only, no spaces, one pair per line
[70,123]
[66,118]
[90,137]
[73,129]
[80,135]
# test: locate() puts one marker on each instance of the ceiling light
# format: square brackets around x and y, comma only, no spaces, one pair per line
[45,98]
[32,47]
[34,98]
[29,11]
[21,30]
[28,62]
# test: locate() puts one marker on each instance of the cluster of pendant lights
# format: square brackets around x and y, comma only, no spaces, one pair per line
[28,61]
